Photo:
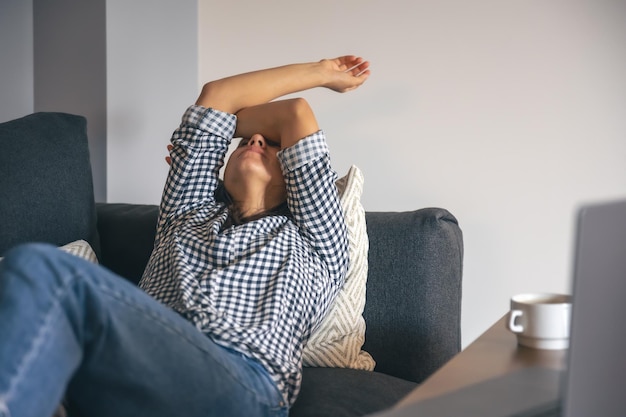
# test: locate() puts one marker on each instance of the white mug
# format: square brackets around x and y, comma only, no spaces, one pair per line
[541,320]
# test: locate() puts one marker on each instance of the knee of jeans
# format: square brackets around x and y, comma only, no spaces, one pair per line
[37,263]
[4,410]
[28,253]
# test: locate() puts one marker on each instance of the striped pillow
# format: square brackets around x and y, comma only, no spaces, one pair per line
[337,342]
[82,249]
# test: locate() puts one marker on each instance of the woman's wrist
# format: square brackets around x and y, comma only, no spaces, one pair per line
[323,74]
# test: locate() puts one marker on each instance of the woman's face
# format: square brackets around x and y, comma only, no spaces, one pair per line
[254,160]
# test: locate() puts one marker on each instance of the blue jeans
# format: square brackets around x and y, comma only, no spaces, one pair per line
[68,327]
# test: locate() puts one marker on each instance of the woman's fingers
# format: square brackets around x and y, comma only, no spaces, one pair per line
[168,159]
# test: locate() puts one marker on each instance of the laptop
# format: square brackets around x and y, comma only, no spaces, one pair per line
[592,385]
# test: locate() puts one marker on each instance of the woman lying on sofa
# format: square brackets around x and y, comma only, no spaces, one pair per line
[232,290]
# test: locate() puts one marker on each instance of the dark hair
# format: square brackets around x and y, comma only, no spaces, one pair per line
[236,217]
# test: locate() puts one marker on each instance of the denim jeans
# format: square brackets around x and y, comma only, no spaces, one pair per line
[71,328]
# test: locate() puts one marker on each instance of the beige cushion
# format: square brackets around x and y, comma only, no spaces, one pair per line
[82,249]
[337,342]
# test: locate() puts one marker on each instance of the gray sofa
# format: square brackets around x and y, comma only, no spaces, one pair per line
[413,302]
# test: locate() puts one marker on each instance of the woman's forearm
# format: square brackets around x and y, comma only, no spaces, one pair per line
[283,121]
[234,93]
[237,92]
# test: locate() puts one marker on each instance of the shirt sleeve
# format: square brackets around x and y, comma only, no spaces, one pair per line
[199,146]
[314,202]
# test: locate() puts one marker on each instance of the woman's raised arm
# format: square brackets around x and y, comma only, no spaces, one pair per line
[232,94]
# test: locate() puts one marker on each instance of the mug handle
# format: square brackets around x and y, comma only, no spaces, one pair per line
[513,316]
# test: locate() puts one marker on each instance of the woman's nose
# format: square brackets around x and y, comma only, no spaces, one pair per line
[257,140]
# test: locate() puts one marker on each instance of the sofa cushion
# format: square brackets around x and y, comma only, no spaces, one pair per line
[338,340]
[45,181]
[341,392]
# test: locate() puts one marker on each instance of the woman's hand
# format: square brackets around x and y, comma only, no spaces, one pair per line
[345,73]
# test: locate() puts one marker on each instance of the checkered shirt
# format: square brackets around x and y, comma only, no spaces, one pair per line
[259,288]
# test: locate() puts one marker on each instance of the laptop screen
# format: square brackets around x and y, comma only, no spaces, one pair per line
[596,363]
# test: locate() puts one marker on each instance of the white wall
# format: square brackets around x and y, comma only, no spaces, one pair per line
[152,72]
[508,113]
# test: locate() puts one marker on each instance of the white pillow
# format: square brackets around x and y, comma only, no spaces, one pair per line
[79,248]
[337,342]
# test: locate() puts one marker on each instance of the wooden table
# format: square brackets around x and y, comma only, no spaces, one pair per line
[494,353]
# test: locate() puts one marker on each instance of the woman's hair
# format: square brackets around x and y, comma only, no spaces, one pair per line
[236,217]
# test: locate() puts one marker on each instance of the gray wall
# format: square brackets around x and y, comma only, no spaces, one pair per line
[70,70]
[16,64]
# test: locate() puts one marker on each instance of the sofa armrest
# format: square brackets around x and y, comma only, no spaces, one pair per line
[413,307]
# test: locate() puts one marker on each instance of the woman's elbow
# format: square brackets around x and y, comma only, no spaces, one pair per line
[213,95]
[298,122]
